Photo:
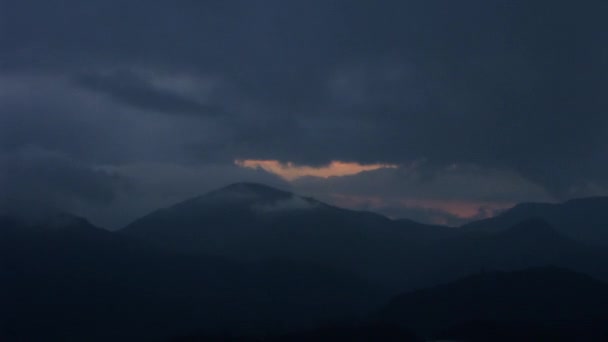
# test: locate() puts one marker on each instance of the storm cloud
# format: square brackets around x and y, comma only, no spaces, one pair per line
[493,102]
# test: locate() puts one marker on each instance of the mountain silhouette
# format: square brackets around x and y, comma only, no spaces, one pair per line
[584,219]
[256,261]
[253,222]
[546,296]
[81,282]
[531,243]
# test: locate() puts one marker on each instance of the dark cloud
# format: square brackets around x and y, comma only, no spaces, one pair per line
[448,195]
[507,86]
[128,88]
[46,176]
[157,185]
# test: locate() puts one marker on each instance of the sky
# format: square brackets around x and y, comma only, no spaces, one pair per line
[438,111]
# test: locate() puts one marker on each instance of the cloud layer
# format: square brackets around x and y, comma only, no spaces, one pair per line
[480,104]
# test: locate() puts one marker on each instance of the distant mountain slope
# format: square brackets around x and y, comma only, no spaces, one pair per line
[584,219]
[427,232]
[539,295]
[247,221]
[73,281]
[531,243]
[245,257]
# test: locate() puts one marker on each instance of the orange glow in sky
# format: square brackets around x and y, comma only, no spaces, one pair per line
[464,209]
[290,171]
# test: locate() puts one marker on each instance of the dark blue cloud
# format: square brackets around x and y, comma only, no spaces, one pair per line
[128,88]
[508,84]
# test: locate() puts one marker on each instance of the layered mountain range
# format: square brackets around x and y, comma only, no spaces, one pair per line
[254,260]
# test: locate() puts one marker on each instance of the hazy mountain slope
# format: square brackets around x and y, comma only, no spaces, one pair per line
[427,232]
[77,281]
[247,221]
[531,243]
[280,262]
[538,295]
[584,219]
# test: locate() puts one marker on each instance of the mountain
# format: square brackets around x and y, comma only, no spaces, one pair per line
[64,279]
[251,259]
[531,243]
[253,222]
[584,219]
[426,232]
[546,297]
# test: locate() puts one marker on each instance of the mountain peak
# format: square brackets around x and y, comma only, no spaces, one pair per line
[248,191]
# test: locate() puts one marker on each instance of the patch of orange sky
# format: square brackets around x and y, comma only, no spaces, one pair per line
[290,171]
[464,209]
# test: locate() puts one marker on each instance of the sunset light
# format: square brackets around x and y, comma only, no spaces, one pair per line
[289,171]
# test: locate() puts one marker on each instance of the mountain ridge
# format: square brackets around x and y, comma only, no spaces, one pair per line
[244,254]
[81,284]
[545,295]
[583,219]
[400,254]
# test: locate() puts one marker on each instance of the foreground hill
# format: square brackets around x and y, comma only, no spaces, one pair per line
[531,243]
[584,219]
[64,279]
[536,304]
[537,300]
